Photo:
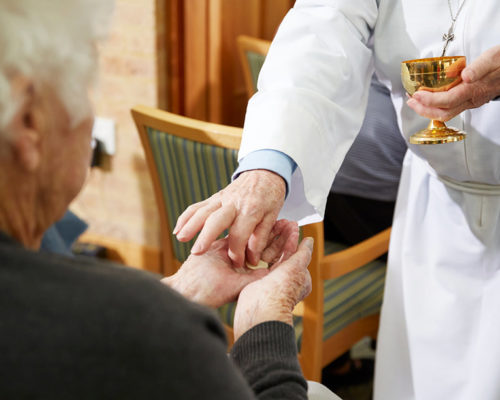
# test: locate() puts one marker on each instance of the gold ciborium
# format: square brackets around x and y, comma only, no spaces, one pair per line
[436,74]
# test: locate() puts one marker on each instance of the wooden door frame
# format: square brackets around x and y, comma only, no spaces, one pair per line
[191,74]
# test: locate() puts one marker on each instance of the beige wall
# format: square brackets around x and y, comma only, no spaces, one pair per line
[119,202]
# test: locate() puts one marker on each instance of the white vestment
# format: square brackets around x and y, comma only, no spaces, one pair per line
[440,319]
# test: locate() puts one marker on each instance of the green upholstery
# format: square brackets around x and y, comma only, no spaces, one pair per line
[189,172]
[351,297]
[255,62]
[348,298]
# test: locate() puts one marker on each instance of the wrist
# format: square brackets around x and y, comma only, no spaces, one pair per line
[247,318]
[272,179]
[171,282]
[191,291]
[176,284]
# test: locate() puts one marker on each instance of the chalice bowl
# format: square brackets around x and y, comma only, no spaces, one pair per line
[436,74]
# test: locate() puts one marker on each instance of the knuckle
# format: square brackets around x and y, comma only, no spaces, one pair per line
[308,286]
[445,116]
[216,197]
[441,115]
[192,207]
[251,210]
[480,95]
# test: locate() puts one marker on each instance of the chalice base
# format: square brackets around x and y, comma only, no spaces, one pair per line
[436,133]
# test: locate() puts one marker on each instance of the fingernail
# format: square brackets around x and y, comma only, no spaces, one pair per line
[180,237]
[196,248]
[411,102]
[416,96]
[234,259]
[468,75]
[309,243]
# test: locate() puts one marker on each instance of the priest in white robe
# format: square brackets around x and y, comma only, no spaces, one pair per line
[439,327]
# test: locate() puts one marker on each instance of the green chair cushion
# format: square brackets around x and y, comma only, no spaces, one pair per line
[255,62]
[189,172]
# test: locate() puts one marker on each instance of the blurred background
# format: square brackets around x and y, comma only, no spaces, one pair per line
[177,55]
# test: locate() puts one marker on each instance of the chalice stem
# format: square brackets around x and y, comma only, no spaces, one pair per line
[437,132]
[435,125]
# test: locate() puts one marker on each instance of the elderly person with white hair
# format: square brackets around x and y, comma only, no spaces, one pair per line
[73,328]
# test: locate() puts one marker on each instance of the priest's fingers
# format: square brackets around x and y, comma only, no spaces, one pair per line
[437,113]
[283,241]
[196,221]
[260,239]
[213,226]
[446,105]
[486,63]
[239,233]
[191,210]
[449,99]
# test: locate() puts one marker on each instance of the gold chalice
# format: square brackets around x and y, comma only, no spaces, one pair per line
[436,74]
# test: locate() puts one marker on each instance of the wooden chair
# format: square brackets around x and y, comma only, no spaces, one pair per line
[189,160]
[252,52]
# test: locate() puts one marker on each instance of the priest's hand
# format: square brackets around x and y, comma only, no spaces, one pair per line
[249,207]
[210,279]
[480,84]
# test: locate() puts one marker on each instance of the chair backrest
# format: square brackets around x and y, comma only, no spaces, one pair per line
[189,160]
[252,53]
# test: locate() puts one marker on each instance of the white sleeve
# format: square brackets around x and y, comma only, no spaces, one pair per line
[312,95]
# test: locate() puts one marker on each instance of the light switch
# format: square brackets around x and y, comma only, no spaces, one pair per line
[104,131]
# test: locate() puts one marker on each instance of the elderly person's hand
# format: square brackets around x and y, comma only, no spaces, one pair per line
[481,83]
[273,297]
[249,207]
[210,278]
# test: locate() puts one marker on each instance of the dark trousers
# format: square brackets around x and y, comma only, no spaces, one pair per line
[351,219]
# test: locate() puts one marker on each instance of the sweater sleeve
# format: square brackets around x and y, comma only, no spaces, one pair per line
[267,357]
[80,329]
[187,355]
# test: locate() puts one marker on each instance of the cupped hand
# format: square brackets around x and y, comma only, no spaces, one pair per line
[249,207]
[211,279]
[480,84]
[274,296]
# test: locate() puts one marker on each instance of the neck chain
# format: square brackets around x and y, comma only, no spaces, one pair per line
[448,37]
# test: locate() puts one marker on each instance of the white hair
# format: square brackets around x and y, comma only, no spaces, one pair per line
[52,42]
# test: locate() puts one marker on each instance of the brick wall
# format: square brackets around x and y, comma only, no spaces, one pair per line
[118,202]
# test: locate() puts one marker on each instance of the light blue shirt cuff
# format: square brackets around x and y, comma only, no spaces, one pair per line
[272,160]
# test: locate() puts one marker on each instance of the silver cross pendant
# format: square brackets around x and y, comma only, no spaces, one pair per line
[448,37]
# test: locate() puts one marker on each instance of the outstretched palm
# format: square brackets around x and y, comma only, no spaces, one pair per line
[211,279]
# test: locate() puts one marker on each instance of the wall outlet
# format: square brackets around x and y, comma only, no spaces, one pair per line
[104,131]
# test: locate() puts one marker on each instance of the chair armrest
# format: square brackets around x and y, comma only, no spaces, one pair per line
[344,261]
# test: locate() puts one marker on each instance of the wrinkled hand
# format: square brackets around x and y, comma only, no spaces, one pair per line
[210,278]
[249,207]
[273,297]
[480,83]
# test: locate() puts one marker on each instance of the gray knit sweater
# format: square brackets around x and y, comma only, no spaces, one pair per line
[83,329]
